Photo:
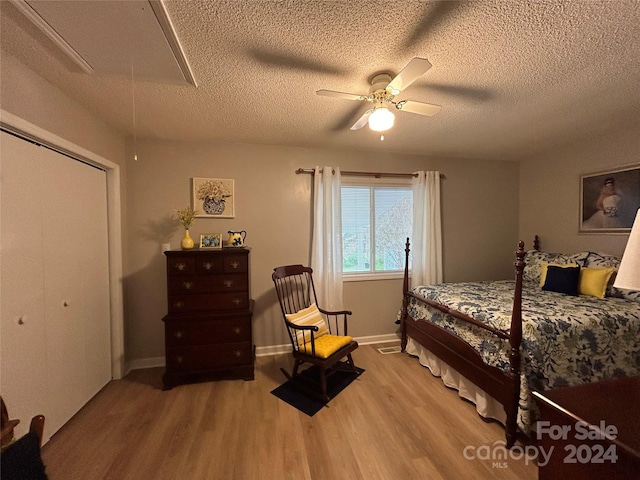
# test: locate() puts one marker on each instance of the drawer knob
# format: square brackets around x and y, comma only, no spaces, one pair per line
[237,330]
[181,266]
[237,301]
[178,334]
[178,304]
[235,264]
[238,353]
[207,266]
[228,283]
[179,359]
[187,285]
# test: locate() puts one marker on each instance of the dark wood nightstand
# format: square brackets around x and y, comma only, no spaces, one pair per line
[594,430]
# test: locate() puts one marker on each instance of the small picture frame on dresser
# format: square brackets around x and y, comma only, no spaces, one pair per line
[211,240]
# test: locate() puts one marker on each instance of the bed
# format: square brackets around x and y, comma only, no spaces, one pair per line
[497,341]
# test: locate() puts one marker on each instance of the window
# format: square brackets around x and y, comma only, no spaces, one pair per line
[377,217]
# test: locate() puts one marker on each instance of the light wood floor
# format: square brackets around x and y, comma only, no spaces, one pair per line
[396,421]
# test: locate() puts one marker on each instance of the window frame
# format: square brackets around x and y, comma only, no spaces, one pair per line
[373,182]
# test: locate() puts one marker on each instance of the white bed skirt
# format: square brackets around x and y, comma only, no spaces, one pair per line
[486,405]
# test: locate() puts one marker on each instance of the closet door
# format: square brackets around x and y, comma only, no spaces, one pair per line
[23,348]
[76,278]
[93,256]
[69,224]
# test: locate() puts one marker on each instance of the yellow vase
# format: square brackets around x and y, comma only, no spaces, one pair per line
[187,242]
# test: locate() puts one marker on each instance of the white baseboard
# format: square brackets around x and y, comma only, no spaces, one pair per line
[273,350]
[261,351]
[144,363]
[387,338]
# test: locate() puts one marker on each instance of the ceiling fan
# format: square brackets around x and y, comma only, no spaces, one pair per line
[382,94]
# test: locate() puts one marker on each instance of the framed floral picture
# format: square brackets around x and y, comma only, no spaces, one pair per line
[609,200]
[213,197]
[211,240]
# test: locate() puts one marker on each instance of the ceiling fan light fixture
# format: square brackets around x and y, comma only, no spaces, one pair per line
[381,119]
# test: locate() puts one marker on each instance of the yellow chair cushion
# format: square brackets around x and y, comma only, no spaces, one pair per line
[327,345]
[545,265]
[593,281]
[305,317]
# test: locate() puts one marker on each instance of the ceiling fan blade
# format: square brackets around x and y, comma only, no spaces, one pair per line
[409,74]
[345,96]
[362,121]
[418,107]
[344,123]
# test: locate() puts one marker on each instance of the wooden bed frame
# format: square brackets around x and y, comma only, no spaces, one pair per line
[504,387]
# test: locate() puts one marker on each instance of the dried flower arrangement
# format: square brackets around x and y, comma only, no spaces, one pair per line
[214,189]
[186,217]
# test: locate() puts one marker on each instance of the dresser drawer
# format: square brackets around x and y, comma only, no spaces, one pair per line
[235,264]
[189,264]
[180,265]
[207,302]
[208,264]
[207,331]
[205,357]
[230,282]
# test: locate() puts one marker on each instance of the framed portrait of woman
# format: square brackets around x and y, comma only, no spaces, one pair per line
[609,200]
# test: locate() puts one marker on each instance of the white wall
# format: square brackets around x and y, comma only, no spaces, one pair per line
[273,204]
[30,97]
[550,191]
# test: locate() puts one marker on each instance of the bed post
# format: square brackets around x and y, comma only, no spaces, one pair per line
[515,339]
[405,289]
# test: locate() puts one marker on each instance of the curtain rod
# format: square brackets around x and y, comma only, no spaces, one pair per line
[368,174]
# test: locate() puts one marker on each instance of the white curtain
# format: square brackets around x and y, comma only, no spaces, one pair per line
[426,243]
[326,246]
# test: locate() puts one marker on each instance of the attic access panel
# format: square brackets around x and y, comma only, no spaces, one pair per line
[108,37]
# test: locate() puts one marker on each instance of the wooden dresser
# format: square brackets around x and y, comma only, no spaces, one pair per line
[591,430]
[208,326]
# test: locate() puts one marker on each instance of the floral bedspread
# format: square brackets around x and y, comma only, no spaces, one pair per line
[566,340]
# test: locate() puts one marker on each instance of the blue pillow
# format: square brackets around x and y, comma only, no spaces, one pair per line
[562,280]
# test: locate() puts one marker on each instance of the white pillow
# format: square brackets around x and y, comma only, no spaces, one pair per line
[308,316]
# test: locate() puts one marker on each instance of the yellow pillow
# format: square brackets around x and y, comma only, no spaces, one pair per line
[308,316]
[593,281]
[543,269]
[327,345]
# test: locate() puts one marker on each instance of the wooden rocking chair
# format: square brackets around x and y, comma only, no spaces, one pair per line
[318,336]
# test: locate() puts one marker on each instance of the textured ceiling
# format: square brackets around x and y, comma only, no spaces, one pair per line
[513,77]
